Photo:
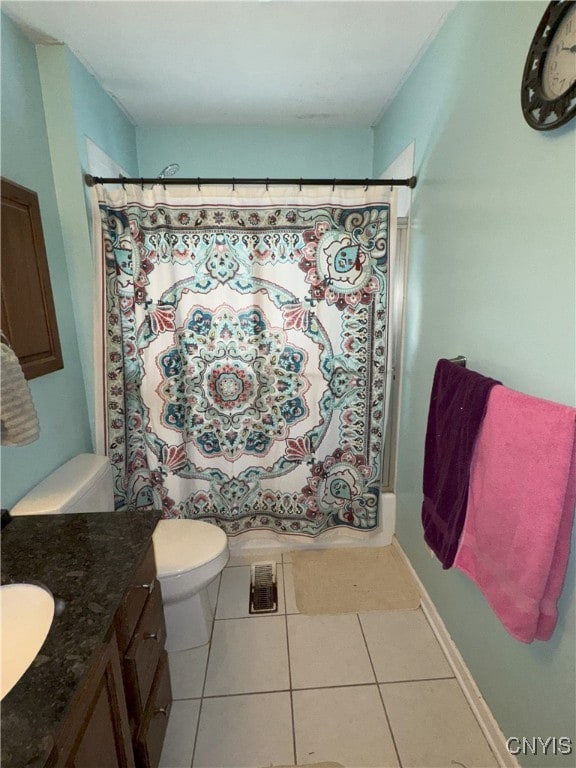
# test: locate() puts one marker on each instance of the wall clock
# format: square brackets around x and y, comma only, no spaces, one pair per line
[549,79]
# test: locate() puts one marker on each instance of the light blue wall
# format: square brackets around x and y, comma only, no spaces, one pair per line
[491,276]
[258,152]
[99,118]
[77,108]
[59,397]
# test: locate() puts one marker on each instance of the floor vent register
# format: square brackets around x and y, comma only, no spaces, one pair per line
[263,588]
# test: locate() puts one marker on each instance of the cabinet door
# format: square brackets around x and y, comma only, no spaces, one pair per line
[151,737]
[96,733]
[27,307]
[143,654]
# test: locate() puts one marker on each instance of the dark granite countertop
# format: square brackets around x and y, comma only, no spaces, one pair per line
[87,562]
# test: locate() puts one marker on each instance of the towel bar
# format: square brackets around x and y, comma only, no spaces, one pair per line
[460,360]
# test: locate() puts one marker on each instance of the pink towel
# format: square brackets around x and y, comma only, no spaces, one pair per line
[516,539]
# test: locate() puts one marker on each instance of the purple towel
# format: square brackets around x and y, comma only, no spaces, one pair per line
[457,406]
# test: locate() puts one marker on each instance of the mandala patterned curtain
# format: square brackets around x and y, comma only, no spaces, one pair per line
[245,347]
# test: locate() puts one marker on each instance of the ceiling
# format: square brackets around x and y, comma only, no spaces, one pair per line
[257,62]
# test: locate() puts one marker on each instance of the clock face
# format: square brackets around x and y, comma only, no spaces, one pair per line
[549,81]
[559,71]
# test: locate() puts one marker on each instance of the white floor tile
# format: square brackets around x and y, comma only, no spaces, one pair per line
[290,595]
[234,597]
[187,670]
[327,650]
[246,721]
[245,732]
[248,556]
[434,727]
[213,592]
[343,725]
[180,734]
[248,655]
[403,647]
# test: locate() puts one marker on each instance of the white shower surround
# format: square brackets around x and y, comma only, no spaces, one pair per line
[333,537]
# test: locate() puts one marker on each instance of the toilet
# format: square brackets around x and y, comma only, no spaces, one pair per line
[189,554]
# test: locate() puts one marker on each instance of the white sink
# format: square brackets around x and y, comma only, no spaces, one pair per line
[26,613]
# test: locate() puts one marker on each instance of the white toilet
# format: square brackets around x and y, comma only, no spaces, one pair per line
[189,553]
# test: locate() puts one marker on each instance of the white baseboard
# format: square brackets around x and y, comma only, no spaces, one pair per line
[486,720]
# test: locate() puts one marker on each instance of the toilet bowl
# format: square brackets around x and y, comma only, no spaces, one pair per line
[189,554]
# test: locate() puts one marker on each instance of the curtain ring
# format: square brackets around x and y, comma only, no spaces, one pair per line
[123,184]
[233,184]
[198,182]
[333,185]
[267,182]
[366,187]
[300,184]
[141,183]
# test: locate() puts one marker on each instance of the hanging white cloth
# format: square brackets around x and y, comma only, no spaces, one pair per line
[18,417]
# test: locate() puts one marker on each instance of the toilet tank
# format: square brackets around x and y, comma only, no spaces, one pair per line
[83,484]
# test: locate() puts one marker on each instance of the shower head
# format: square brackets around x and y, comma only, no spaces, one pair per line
[170,170]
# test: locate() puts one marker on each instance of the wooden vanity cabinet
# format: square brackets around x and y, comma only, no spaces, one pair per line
[96,733]
[141,632]
[120,712]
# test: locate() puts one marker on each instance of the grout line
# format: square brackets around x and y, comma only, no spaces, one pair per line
[205,674]
[376,682]
[271,615]
[416,680]
[247,565]
[255,557]
[188,698]
[340,685]
[275,615]
[245,693]
[289,664]
[380,693]
[237,565]
[316,688]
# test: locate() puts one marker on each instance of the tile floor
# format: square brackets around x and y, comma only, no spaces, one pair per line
[368,689]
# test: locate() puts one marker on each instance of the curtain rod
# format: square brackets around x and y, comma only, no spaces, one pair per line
[411,182]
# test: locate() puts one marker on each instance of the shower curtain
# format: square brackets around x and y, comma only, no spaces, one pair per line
[244,352]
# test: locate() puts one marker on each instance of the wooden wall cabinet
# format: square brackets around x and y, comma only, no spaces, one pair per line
[27,306]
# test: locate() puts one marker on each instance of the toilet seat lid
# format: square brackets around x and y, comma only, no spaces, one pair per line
[181,545]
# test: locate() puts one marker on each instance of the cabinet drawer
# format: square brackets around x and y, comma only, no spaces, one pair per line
[153,730]
[134,600]
[143,654]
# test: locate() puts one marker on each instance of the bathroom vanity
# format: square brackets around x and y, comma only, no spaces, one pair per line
[98,693]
